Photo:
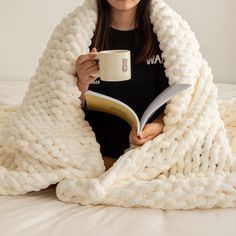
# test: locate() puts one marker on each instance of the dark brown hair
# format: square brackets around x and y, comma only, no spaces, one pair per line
[142,20]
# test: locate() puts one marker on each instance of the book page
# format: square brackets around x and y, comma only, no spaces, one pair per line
[160,100]
[100,102]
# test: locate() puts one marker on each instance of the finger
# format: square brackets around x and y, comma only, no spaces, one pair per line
[87,65]
[144,140]
[136,140]
[147,138]
[92,78]
[132,136]
[133,131]
[86,57]
[148,130]
[150,137]
[94,50]
[93,70]
[139,141]
[133,127]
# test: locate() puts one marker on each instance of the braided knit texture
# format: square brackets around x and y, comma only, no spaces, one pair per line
[46,140]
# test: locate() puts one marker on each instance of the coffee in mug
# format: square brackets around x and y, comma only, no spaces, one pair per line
[114,65]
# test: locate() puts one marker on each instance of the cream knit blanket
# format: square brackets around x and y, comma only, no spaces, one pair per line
[46,140]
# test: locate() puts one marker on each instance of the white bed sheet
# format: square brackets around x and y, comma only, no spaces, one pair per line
[41,213]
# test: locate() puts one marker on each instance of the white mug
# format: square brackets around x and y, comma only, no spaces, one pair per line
[114,65]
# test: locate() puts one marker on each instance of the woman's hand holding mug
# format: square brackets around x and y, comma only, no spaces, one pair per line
[86,69]
[109,65]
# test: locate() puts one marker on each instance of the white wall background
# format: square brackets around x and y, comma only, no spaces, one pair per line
[26,26]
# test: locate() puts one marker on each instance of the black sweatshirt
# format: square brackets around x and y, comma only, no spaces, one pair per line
[147,81]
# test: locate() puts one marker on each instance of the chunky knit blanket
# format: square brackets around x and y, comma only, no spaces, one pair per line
[46,140]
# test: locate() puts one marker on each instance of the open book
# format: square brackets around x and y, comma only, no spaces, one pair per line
[100,102]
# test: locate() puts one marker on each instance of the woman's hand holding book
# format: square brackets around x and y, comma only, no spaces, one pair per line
[150,131]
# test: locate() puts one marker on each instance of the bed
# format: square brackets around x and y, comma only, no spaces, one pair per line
[41,213]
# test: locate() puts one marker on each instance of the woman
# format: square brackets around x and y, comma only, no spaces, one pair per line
[124,24]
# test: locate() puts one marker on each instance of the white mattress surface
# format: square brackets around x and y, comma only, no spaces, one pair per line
[41,213]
